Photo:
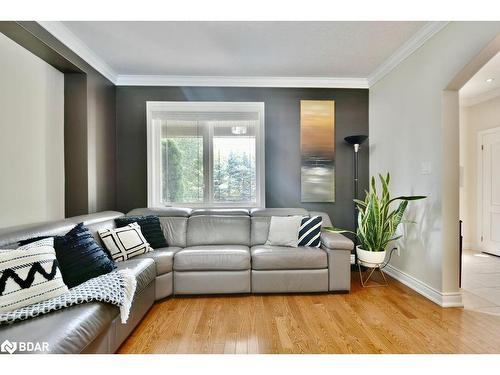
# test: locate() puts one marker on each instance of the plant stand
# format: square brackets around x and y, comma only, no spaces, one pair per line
[371,271]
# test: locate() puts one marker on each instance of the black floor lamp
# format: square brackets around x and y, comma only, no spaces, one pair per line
[356,141]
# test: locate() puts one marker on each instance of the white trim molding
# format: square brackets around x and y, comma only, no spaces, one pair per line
[440,298]
[480,98]
[65,36]
[227,81]
[207,136]
[473,246]
[408,48]
[479,184]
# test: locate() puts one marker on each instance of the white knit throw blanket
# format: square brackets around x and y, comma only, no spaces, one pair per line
[117,288]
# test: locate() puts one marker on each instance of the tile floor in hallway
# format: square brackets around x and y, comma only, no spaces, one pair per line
[481,282]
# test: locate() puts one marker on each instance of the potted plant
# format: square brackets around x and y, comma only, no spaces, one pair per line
[377,222]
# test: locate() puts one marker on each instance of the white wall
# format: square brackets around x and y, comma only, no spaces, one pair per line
[482,116]
[31,137]
[406,133]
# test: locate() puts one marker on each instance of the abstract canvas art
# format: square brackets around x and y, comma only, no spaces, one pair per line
[317,148]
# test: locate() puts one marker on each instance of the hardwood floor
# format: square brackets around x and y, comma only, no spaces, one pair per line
[391,319]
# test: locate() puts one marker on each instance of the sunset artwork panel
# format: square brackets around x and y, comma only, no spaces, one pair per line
[317,148]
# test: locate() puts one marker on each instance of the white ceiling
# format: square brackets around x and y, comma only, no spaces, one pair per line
[259,49]
[477,89]
[350,54]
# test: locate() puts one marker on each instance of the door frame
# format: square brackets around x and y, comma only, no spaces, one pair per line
[479,182]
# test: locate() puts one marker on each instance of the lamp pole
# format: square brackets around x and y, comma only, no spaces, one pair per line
[356,183]
[356,141]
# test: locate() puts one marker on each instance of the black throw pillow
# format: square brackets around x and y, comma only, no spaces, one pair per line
[79,256]
[150,228]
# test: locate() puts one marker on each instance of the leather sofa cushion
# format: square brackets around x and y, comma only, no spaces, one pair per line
[150,228]
[161,211]
[259,212]
[163,258]
[221,211]
[259,230]
[68,330]
[288,258]
[143,269]
[218,230]
[212,258]
[175,230]
[326,219]
[9,237]
[96,222]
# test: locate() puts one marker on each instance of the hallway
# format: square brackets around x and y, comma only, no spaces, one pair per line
[481,282]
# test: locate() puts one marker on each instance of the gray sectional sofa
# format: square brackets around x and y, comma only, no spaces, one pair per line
[211,251]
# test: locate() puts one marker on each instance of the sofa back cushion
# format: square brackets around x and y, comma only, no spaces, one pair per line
[173,221]
[259,212]
[261,218]
[259,230]
[9,237]
[175,230]
[94,229]
[150,228]
[218,230]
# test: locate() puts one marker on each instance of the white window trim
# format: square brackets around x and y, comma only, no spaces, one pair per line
[154,158]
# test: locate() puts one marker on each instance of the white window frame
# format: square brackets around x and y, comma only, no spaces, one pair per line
[154,156]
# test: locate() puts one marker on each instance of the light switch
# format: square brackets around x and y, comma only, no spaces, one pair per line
[425,167]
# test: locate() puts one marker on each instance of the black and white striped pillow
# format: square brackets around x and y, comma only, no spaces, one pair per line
[125,242]
[310,231]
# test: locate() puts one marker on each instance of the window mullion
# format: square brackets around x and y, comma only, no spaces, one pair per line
[206,161]
[210,197]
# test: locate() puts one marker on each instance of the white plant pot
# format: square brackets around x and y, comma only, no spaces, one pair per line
[370,258]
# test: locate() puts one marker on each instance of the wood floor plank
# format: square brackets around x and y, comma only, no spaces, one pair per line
[393,319]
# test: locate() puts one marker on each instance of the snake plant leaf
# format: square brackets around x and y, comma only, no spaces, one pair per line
[408,198]
[377,220]
[337,230]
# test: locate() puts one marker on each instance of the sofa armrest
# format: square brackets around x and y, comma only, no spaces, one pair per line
[338,249]
[336,241]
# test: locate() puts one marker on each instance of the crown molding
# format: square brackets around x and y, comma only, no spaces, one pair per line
[408,48]
[483,97]
[65,36]
[227,81]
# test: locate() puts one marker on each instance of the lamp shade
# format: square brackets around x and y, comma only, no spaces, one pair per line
[356,139]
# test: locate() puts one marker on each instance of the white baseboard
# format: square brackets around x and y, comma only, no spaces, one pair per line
[442,299]
[471,246]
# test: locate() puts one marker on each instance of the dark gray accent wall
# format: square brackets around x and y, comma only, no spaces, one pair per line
[89,126]
[282,148]
[75,150]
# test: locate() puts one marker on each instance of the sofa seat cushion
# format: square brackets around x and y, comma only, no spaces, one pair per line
[163,258]
[213,258]
[144,271]
[288,258]
[68,330]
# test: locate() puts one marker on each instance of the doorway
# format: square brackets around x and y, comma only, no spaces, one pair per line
[480,189]
[488,180]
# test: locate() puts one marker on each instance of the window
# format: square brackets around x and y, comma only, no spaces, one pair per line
[208,154]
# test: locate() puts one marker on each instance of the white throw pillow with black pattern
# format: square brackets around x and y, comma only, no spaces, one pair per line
[125,242]
[310,231]
[29,274]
